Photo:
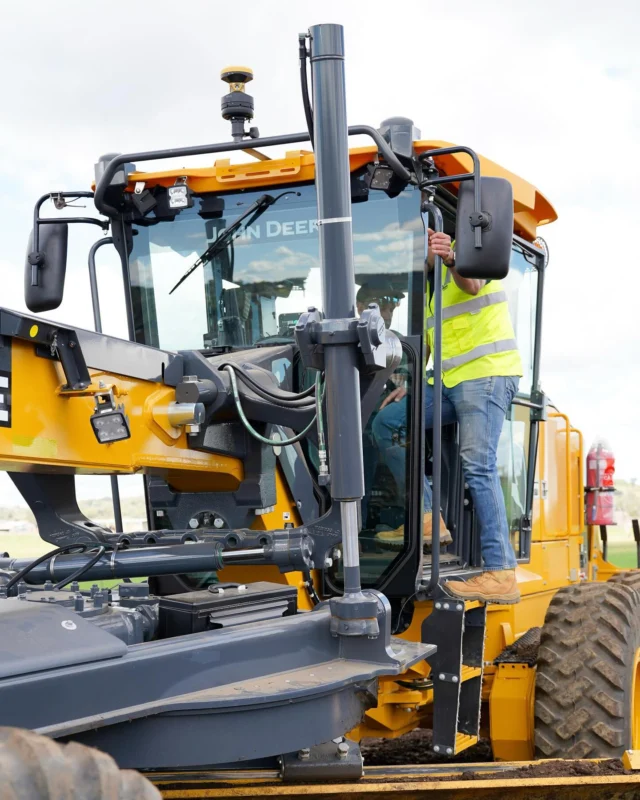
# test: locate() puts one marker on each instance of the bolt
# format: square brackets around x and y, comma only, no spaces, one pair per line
[446,606]
[48,586]
[304,753]
[343,749]
[436,748]
[299,503]
[75,586]
[328,562]
[449,751]
[455,679]
[193,428]
[438,605]
[338,740]
[441,676]
[218,522]
[193,522]
[78,604]
[466,502]
[459,608]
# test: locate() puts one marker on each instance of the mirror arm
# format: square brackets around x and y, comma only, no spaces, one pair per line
[36,258]
[480,220]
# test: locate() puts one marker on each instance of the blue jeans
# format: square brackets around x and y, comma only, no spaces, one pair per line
[480,407]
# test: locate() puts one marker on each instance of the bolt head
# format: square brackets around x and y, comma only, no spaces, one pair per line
[449,751]
[438,605]
[441,676]
[304,753]
[328,562]
[436,748]
[446,606]
[455,679]
[193,522]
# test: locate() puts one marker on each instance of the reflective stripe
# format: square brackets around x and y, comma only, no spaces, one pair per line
[469,306]
[481,350]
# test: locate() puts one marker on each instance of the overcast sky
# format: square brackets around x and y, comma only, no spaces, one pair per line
[547,89]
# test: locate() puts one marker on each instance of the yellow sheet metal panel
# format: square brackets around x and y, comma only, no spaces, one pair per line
[631,759]
[511,712]
[53,431]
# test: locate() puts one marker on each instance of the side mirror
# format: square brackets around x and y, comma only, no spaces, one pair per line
[491,261]
[50,272]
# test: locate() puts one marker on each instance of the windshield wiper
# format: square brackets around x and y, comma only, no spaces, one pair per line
[254,211]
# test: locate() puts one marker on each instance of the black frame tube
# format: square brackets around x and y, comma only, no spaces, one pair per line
[474,176]
[93,281]
[534,430]
[636,535]
[38,220]
[223,147]
[97,323]
[438,223]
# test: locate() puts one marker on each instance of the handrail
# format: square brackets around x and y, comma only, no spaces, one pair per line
[559,414]
[222,147]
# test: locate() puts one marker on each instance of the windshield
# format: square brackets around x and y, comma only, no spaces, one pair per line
[255,289]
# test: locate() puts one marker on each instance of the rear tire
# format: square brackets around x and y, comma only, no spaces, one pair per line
[586,676]
[629,578]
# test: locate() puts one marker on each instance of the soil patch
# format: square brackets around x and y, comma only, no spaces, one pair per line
[415,748]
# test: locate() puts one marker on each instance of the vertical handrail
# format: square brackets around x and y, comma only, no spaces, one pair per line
[97,324]
[438,223]
[560,415]
[580,477]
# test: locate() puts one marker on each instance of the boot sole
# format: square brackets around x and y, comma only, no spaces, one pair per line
[499,600]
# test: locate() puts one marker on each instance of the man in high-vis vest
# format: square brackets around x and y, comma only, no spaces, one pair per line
[481,367]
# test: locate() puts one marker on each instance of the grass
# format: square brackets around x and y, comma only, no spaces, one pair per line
[623,554]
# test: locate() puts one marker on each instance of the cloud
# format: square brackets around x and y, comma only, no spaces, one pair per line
[548,90]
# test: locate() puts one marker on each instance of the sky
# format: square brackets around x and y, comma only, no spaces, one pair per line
[549,90]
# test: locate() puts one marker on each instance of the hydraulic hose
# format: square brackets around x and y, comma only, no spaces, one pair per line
[250,429]
[132,563]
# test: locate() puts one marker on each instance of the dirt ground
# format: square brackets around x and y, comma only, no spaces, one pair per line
[415,748]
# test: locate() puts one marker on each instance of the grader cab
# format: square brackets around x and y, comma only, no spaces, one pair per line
[271,306]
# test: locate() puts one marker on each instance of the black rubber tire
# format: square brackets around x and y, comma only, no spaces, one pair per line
[630,578]
[38,768]
[585,671]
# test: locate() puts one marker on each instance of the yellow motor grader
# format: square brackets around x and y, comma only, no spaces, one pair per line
[272,305]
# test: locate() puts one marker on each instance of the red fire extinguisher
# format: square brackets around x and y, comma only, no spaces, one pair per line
[601,466]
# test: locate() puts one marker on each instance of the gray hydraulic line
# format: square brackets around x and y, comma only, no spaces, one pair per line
[137,562]
[342,379]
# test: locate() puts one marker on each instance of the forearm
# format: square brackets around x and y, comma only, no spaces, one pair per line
[468,285]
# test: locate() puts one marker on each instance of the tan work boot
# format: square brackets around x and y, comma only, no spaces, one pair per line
[499,586]
[427,530]
[393,540]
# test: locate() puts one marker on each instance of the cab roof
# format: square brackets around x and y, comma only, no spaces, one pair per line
[531,207]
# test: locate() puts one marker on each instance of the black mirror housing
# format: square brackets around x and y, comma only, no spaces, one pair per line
[47,295]
[491,261]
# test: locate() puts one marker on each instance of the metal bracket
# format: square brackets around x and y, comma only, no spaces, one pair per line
[538,406]
[339,760]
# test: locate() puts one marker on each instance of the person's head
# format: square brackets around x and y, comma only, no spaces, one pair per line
[382,293]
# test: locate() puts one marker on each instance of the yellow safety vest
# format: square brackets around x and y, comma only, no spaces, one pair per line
[477,334]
